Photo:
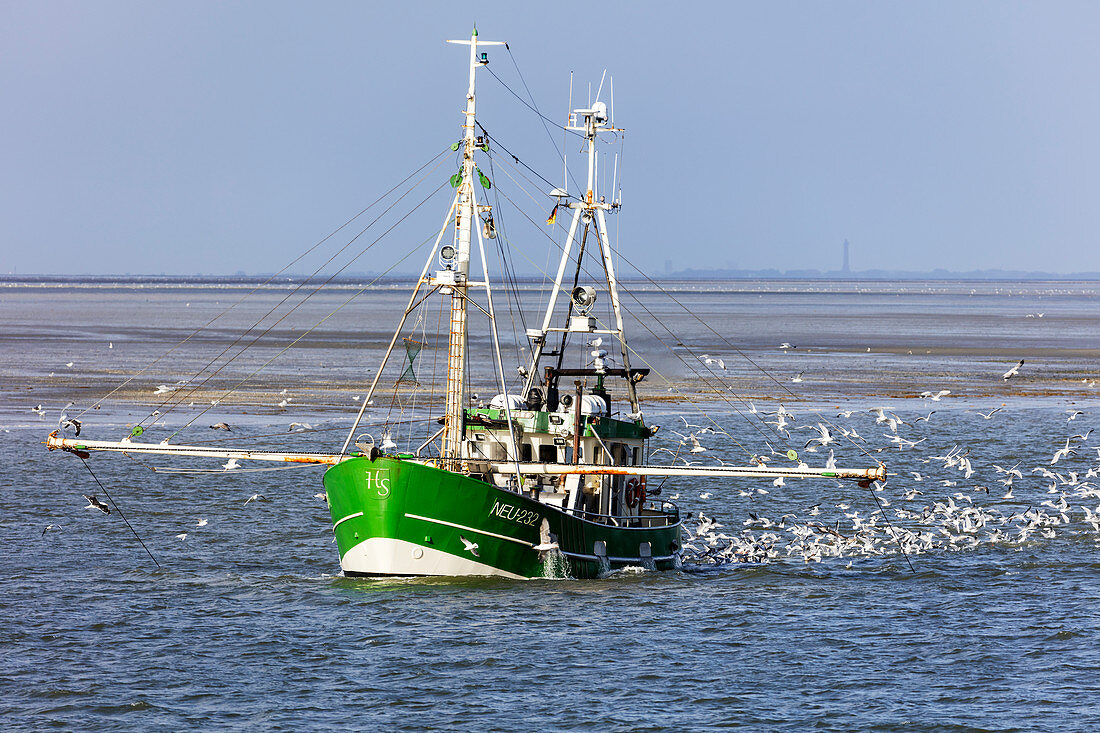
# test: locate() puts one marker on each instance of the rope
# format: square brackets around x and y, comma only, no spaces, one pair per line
[330,314]
[258,287]
[524,102]
[499,144]
[195,388]
[117,509]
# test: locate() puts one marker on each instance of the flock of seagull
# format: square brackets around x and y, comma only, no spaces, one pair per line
[953,502]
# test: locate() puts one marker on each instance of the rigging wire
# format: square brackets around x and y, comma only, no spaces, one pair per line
[499,144]
[522,101]
[741,353]
[183,395]
[543,117]
[333,312]
[117,509]
[509,270]
[261,285]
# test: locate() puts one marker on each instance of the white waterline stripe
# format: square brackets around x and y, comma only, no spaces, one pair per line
[344,519]
[470,529]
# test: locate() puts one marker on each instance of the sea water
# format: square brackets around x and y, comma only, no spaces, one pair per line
[246,622]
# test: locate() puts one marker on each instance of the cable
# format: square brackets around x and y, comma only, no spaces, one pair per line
[500,145]
[117,509]
[333,312]
[184,395]
[261,285]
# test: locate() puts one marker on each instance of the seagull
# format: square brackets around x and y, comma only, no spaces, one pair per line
[70,365]
[695,446]
[182,536]
[824,437]
[387,442]
[935,396]
[39,411]
[1063,452]
[231,464]
[48,527]
[94,503]
[785,345]
[470,547]
[256,497]
[299,427]
[220,426]
[798,378]
[991,413]
[322,496]
[1014,371]
[284,403]
[1073,415]
[165,389]
[705,495]
[202,523]
[925,418]
[72,422]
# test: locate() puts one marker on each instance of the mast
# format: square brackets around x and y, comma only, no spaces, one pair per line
[456,277]
[590,211]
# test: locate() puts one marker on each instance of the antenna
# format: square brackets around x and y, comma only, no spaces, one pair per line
[611,82]
[600,89]
[614,175]
[564,154]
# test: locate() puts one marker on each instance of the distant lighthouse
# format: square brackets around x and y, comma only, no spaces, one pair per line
[844,268]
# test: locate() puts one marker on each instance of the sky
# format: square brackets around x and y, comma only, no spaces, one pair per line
[219,137]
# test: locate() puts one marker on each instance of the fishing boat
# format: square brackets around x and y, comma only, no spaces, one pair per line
[550,477]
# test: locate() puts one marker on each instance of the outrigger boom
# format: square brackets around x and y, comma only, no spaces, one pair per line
[72,445]
[56,442]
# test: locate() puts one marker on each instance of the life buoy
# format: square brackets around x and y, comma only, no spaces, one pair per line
[635,491]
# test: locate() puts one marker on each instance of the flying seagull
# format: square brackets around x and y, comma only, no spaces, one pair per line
[94,503]
[220,426]
[1014,371]
[470,547]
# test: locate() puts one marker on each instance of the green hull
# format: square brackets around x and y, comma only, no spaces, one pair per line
[397,517]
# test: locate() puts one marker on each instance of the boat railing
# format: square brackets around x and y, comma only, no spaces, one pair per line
[664,513]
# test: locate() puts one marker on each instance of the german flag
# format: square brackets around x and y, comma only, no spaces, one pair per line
[553,216]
